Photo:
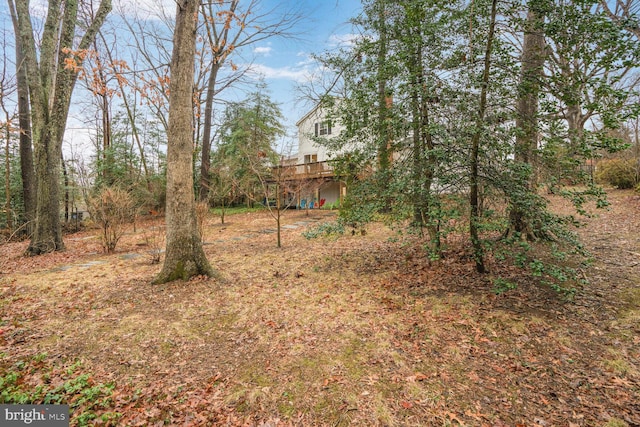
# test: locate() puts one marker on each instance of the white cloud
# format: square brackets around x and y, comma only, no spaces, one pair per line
[296,74]
[263,50]
[146,9]
[306,62]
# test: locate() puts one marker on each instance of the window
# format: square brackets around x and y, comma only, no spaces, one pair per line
[310,158]
[323,128]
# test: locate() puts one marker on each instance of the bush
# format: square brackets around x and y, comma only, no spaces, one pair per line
[325,229]
[112,209]
[621,173]
[154,238]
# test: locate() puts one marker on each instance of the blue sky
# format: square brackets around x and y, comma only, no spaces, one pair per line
[283,63]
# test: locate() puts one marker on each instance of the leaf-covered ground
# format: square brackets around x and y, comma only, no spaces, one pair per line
[362,330]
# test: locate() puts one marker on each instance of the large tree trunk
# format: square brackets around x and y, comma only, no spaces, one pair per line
[527,115]
[184,256]
[27,170]
[47,235]
[51,81]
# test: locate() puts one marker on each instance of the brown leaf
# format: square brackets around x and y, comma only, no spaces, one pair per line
[406,404]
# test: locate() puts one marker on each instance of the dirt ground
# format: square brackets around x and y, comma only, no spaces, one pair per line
[361,330]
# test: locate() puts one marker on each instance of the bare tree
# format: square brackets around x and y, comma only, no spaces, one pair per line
[230,27]
[51,77]
[7,87]
[185,257]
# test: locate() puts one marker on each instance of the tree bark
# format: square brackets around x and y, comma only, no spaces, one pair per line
[221,47]
[205,163]
[7,173]
[27,170]
[184,255]
[526,144]
[51,81]
[474,220]
[424,160]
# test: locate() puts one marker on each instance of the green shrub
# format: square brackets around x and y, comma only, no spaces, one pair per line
[621,173]
[325,229]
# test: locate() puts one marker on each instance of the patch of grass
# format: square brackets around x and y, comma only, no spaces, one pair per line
[286,406]
[616,422]
[632,298]
[618,364]
[236,210]
[628,320]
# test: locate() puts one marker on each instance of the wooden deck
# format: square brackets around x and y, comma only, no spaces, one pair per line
[305,171]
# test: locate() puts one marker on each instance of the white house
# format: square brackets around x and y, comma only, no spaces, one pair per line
[314,167]
[315,124]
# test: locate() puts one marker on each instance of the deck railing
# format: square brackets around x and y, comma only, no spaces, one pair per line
[306,171]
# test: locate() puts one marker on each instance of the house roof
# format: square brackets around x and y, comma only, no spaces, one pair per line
[306,116]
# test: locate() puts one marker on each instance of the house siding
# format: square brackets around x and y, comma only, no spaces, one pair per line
[307,131]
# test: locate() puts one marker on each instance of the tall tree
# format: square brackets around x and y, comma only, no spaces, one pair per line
[27,170]
[249,133]
[231,26]
[422,39]
[532,61]
[588,56]
[184,255]
[7,87]
[51,77]
[474,179]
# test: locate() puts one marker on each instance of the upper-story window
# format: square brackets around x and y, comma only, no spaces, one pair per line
[310,158]
[323,128]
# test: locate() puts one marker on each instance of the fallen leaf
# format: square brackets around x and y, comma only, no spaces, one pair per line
[406,405]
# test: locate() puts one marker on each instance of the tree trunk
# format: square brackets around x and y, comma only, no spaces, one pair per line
[474,220]
[67,198]
[384,133]
[424,160]
[184,256]
[527,115]
[47,235]
[27,170]
[51,81]
[205,163]
[7,174]
[219,44]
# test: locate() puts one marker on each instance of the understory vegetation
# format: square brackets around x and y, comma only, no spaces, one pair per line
[346,329]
